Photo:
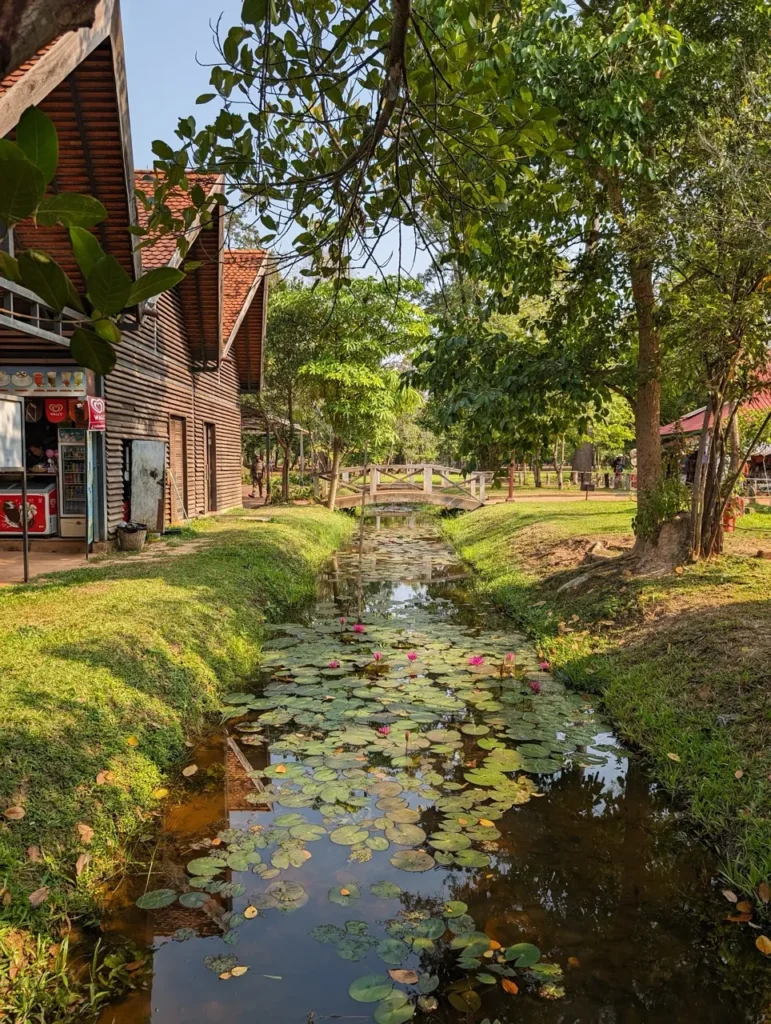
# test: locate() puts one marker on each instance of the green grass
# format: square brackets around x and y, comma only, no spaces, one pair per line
[107,669]
[681,660]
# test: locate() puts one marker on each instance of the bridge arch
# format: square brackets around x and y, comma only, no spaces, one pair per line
[412,483]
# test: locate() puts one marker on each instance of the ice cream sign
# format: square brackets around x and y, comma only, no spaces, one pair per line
[36,380]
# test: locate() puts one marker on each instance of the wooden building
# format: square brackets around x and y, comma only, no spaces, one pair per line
[173,399]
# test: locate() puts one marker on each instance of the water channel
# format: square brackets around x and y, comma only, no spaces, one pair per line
[422,798]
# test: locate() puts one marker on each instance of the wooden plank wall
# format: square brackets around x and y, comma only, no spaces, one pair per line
[153,381]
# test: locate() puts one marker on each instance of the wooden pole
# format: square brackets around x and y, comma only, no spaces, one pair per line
[510,496]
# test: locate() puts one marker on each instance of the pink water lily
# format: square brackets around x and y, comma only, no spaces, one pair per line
[334,663]
[377,655]
[545,666]
[384,729]
[510,657]
[412,656]
[358,628]
[476,659]
[534,685]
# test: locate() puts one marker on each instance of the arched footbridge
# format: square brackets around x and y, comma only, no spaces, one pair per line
[419,483]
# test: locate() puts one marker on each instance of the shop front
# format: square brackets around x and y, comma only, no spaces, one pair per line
[50,476]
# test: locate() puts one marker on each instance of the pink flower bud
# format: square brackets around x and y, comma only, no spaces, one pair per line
[384,729]
[377,655]
[545,666]
[343,620]
[334,663]
[510,657]
[534,685]
[412,656]
[358,628]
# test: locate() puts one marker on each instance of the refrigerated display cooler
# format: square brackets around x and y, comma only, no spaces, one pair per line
[41,510]
[73,482]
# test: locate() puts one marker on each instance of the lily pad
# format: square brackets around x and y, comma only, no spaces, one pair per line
[327,933]
[524,954]
[157,899]
[206,866]
[370,988]
[455,908]
[394,1010]
[194,900]
[406,835]
[386,890]
[348,835]
[222,963]
[344,895]
[393,951]
[412,860]
[286,892]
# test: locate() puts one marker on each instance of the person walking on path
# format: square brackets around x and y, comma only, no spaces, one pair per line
[258,475]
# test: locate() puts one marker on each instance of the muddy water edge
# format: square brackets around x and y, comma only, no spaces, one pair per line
[406,791]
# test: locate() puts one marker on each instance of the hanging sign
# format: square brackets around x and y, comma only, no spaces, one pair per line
[56,410]
[97,414]
[79,412]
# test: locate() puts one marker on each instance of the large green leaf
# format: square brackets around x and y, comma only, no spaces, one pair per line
[70,210]
[371,988]
[87,250]
[109,286]
[22,184]
[93,352]
[9,268]
[43,275]
[153,283]
[157,899]
[36,137]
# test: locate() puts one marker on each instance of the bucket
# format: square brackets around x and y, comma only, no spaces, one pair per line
[131,537]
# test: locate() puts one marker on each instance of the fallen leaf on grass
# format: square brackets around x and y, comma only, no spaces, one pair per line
[85,832]
[132,741]
[404,977]
[190,770]
[763,943]
[764,893]
[673,757]
[81,864]
[739,774]
[510,986]
[738,918]
[744,907]
[34,854]
[104,777]
[159,794]
[38,897]
[14,813]
[730,895]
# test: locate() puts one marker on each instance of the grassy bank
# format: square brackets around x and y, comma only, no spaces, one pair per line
[681,660]
[104,672]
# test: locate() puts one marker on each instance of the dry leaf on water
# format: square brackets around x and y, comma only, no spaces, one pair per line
[238,971]
[85,832]
[763,943]
[14,813]
[404,977]
[280,769]
[81,864]
[38,897]
[190,770]
[510,986]
[250,912]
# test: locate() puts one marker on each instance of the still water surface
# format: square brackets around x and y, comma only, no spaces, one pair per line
[595,871]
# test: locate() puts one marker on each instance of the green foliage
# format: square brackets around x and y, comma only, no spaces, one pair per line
[660,505]
[26,167]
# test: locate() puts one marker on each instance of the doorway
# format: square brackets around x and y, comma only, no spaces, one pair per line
[210,444]
[178,468]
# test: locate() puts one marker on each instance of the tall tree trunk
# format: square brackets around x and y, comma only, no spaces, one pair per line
[559,460]
[334,471]
[290,444]
[647,419]
[285,470]
[537,467]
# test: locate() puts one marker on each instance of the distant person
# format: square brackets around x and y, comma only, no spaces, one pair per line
[618,467]
[258,475]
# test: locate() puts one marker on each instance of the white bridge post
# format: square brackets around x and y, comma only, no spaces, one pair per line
[428,479]
[316,486]
[472,485]
[372,482]
[482,482]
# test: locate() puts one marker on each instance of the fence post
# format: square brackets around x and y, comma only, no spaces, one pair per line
[472,483]
[316,487]
[372,481]
[482,482]
[346,476]
[428,479]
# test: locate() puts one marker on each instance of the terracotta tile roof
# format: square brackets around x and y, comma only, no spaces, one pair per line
[162,251]
[692,422]
[241,268]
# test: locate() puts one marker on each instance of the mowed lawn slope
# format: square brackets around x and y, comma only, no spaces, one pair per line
[106,669]
[682,660]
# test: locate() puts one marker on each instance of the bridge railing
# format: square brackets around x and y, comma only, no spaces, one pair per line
[376,480]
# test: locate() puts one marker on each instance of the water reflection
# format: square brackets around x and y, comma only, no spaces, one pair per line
[594,872]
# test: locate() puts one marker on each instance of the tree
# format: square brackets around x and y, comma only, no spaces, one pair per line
[27,167]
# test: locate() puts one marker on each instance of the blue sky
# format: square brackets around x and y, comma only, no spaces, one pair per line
[162,40]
